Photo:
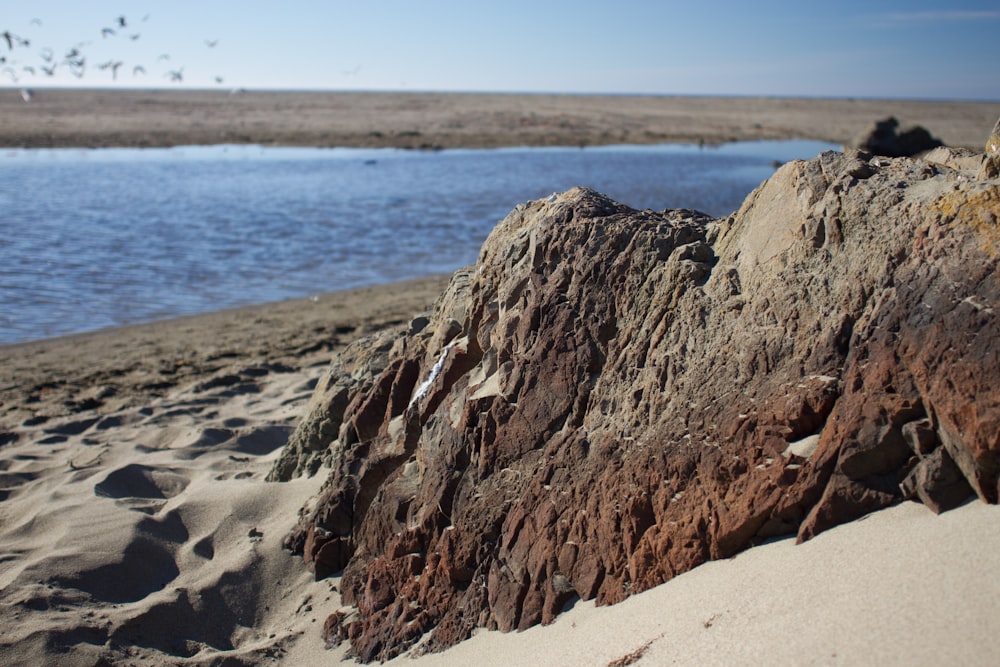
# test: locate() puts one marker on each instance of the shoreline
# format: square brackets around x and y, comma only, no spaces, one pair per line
[117,367]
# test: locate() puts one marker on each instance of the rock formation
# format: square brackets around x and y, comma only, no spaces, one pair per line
[611,397]
[991,161]
[884,137]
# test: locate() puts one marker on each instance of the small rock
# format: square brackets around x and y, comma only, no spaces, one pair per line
[883,137]
[937,482]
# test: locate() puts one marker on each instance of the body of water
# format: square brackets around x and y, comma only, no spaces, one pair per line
[97,238]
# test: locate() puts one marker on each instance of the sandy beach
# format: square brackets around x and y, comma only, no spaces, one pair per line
[93,118]
[135,523]
[131,480]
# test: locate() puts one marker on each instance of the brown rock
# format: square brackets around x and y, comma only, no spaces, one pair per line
[884,137]
[611,397]
[937,482]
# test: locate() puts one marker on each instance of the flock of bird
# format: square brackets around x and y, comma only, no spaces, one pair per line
[23,60]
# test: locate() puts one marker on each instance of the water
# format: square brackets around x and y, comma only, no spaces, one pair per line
[98,238]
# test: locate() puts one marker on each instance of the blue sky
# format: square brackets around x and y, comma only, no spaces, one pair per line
[829,49]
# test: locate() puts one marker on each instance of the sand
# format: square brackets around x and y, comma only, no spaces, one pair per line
[429,120]
[899,587]
[132,502]
[135,525]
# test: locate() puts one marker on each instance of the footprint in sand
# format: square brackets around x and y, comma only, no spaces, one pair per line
[264,440]
[142,568]
[140,481]
[11,481]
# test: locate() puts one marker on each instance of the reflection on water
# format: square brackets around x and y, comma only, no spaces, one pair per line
[96,238]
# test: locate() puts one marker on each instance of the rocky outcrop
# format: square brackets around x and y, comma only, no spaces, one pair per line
[610,397]
[884,137]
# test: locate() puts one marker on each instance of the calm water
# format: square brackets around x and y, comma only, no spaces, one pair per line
[97,238]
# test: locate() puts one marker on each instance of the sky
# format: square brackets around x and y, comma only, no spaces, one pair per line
[848,48]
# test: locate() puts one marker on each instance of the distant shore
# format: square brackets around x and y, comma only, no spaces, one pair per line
[150,118]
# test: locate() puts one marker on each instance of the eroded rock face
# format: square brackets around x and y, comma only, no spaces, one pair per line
[610,397]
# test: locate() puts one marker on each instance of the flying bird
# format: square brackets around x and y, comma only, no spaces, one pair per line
[113,65]
[27,94]
[46,61]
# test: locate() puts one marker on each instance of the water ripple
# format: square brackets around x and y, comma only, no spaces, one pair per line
[97,238]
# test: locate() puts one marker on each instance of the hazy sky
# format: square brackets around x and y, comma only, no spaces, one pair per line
[845,48]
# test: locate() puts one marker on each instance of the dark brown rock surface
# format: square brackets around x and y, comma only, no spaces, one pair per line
[885,137]
[611,397]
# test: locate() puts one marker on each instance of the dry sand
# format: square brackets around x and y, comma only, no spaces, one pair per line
[899,587]
[135,525]
[165,118]
[132,503]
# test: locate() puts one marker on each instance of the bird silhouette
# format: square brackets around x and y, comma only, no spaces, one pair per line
[112,65]
[45,60]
